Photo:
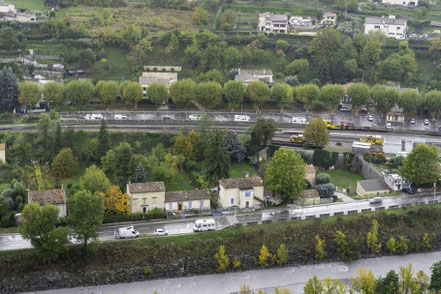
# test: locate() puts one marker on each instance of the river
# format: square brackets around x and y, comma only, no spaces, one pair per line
[292,278]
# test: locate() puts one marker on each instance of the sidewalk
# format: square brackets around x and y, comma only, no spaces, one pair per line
[344,197]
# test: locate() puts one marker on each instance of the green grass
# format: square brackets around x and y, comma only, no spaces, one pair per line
[343,179]
[182,182]
[27,4]
[75,180]
[9,230]
[238,170]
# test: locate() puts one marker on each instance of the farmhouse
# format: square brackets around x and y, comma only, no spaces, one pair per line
[146,196]
[56,197]
[391,27]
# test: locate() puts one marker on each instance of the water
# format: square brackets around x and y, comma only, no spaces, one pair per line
[289,277]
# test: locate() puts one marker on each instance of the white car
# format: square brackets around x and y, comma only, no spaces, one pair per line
[426,122]
[412,121]
[121,117]
[370,118]
[388,126]
[160,232]
[194,117]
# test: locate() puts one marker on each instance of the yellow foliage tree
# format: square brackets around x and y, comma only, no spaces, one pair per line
[264,256]
[116,201]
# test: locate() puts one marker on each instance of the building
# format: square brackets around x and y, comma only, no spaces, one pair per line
[252,75]
[185,200]
[410,3]
[300,21]
[373,187]
[396,114]
[329,18]
[241,192]
[310,174]
[391,27]
[157,77]
[273,23]
[394,181]
[3,153]
[6,8]
[146,196]
[310,197]
[56,197]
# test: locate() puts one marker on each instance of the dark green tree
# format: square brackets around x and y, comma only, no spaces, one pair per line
[58,138]
[103,140]
[435,278]
[234,147]
[217,159]
[140,176]
[263,131]
[388,284]
[8,89]
[123,155]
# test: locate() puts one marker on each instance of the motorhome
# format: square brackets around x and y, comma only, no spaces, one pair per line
[201,225]
[194,117]
[94,116]
[239,117]
[299,120]
[121,117]
[126,232]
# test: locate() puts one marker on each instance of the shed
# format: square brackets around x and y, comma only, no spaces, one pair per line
[310,197]
[372,187]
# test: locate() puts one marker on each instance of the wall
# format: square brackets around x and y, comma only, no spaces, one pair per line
[195,204]
[366,169]
[136,206]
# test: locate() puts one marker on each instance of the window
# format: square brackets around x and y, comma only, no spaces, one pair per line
[144,201]
[247,194]
[170,206]
[154,200]
[376,27]
[135,201]
[398,28]
[202,203]
[232,200]
[189,204]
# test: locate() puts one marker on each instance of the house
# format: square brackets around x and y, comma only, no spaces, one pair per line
[373,187]
[400,89]
[300,21]
[310,174]
[410,3]
[3,153]
[56,197]
[329,18]
[394,181]
[252,75]
[273,23]
[396,114]
[146,196]
[310,197]
[184,200]
[241,192]
[157,77]
[6,8]
[391,27]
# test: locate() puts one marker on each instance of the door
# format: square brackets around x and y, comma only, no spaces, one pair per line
[247,204]
[144,209]
[179,206]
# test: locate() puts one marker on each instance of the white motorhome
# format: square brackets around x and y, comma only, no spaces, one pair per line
[121,117]
[94,116]
[194,117]
[201,225]
[239,117]
[126,232]
[299,120]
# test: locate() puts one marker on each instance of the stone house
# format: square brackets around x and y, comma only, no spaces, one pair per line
[146,196]
[3,153]
[241,192]
[185,200]
[310,174]
[273,23]
[56,197]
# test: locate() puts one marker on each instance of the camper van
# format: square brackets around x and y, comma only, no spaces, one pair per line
[299,120]
[126,232]
[239,117]
[94,116]
[201,225]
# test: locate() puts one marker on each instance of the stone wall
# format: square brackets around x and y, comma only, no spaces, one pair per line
[366,169]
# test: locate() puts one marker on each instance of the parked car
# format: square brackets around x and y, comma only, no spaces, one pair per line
[412,121]
[94,116]
[408,190]
[426,122]
[363,110]
[165,118]
[299,120]
[194,117]
[244,118]
[388,126]
[370,118]
[121,117]
[160,232]
[344,109]
[376,200]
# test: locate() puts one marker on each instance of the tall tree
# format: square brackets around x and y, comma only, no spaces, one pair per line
[54,93]
[409,100]
[359,94]
[123,155]
[79,92]
[433,103]
[103,140]
[258,92]
[282,94]
[86,212]
[285,175]
[435,52]
[58,144]
[140,176]
[316,132]
[209,94]
[234,91]
[234,147]
[116,202]
[8,89]
[325,42]
[30,94]
[421,166]
[307,94]
[263,131]
[299,67]
[332,95]
[217,159]
[65,164]
[182,92]
[157,93]
[107,92]
[131,93]
[94,180]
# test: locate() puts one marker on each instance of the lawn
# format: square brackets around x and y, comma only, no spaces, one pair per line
[344,179]
[238,170]
[182,182]
[74,181]
[27,4]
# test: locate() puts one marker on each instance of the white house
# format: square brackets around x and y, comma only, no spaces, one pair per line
[56,197]
[157,77]
[401,2]
[300,21]
[329,18]
[185,200]
[273,23]
[251,75]
[7,8]
[394,181]
[390,26]
[241,192]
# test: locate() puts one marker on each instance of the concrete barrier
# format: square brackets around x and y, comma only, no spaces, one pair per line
[339,213]
[251,223]
[282,220]
[324,215]
[267,221]
[296,218]
[380,208]
[238,224]
[352,211]
[366,210]
[393,206]
[309,216]
[407,205]
[420,203]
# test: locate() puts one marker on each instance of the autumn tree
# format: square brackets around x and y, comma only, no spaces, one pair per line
[116,202]
[94,180]
[64,164]
[316,132]
[30,94]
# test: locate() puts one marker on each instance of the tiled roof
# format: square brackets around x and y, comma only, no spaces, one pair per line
[241,183]
[373,185]
[55,196]
[311,193]
[309,169]
[195,194]
[2,147]
[146,187]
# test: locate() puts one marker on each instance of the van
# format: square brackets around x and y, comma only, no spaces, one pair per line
[126,232]
[201,225]
[299,120]
[94,116]
[194,117]
[121,117]
[239,117]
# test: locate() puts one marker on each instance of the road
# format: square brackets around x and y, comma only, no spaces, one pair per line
[184,226]
[292,278]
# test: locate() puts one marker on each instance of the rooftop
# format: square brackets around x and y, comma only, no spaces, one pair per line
[274,17]
[253,74]
[158,77]
[2,147]
[55,196]
[311,193]
[241,183]
[373,185]
[385,20]
[190,195]
[309,169]
[146,187]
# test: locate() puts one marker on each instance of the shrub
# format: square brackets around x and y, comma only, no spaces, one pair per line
[435,279]
[402,246]
[236,263]
[281,257]
[342,245]
[326,190]
[156,213]
[323,158]
[222,261]
[264,256]
[147,271]
[319,248]
[391,245]
[112,218]
[372,238]
[322,178]
[426,242]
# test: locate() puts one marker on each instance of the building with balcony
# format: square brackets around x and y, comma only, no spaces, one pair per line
[273,23]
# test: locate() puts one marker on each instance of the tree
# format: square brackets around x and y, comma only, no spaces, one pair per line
[341,242]
[10,39]
[182,92]
[234,147]
[58,138]
[435,278]
[157,93]
[54,93]
[264,256]
[364,282]
[316,132]
[282,94]
[384,98]
[307,94]
[79,92]
[285,175]
[140,176]
[282,256]
[359,94]
[94,180]
[103,140]
[326,41]
[433,103]
[391,245]
[86,212]
[282,45]
[107,92]
[232,58]
[328,285]
[217,159]
[263,131]
[227,20]
[131,93]
[222,261]
[320,252]
[234,92]
[322,178]
[332,95]
[64,164]
[141,50]
[389,284]
[258,92]
[409,100]
[435,52]
[209,94]
[200,16]
[44,126]
[116,202]
[30,94]
[299,67]
[326,190]
[8,89]
[421,165]
[40,227]
[87,57]
[372,238]
[123,155]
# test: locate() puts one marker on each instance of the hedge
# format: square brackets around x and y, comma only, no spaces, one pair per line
[324,159]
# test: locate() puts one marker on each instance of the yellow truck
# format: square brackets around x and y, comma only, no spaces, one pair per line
[297,138]
[374,140]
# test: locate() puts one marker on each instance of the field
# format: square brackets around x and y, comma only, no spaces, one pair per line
[238,170]
[27,4]
[344,179]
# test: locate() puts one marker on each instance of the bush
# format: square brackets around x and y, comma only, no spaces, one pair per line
[156,213]
[322,178]
[113,218]
[376,159]
[147,271]
[281,257]
[222,261]
[402,246]
[264,256]
[64,164]
[236,263]
[319,248]
[426,242]
[323,158]
[391,245]
[326,190]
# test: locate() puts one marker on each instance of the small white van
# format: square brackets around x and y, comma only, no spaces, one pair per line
[94,116]
[194,117]
[244,118]
[201,225]
[126,232]
[299,120]
[121,117]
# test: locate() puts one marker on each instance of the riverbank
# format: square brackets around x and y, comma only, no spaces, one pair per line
[189,255]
